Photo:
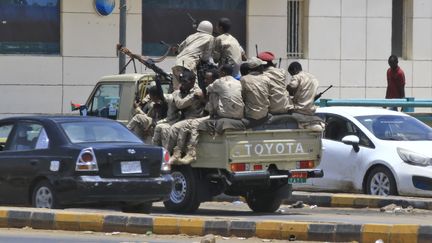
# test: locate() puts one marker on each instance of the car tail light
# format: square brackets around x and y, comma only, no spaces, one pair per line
[166,164]
[306,164]
[238,166]
[86,161]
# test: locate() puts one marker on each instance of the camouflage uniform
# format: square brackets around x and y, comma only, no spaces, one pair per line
[227,50]
[141,122]
[191,107]
[256,92]
[280,101]
[161,130]
[306,86]
[225,98]
[196,46]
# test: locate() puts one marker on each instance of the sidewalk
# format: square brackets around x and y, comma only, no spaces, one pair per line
[347,200]
[11,217]
[357,200]
[75,220]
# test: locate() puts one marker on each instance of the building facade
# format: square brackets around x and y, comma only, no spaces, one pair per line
[344,43]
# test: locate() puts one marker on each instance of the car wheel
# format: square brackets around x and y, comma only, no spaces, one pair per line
[381,182]
[263,202]
[44,196]
[183,197]
[137,208]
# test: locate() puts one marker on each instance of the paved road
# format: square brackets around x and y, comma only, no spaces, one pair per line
[49,236]
[308,214]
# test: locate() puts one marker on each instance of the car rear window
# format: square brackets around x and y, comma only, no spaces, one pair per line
[83,132]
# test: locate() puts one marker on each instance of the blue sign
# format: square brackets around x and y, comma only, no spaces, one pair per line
[104,7]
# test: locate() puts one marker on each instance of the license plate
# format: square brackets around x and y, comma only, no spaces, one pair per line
[130,167]
[296,180]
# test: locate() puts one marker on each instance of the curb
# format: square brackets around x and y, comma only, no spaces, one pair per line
[346,200]
[357,200]
[142,224]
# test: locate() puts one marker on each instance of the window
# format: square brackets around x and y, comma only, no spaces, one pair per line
[81,132]
[169,21]
[296,24]
[105,101]
[28,136]
[401,39]
[4,134]
[30,27]
[338,127]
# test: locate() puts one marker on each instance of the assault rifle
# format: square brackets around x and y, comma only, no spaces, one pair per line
[321,93]
[149,63]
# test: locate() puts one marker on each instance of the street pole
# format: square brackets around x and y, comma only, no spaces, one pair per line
[122,34]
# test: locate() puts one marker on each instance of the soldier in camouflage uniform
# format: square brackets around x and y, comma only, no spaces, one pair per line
[142,123]
[280,102]
[189,99]
[255,91]
[227,49]
[303,87]
[196,47]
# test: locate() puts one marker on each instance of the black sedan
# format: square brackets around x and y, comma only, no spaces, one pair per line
[53,161]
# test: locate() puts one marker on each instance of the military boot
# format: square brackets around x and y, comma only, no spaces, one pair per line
[176,155]
[190,156]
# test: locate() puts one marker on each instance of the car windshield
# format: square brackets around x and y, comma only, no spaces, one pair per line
[91,131]
[393,127]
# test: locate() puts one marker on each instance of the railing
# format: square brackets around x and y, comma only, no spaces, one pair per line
[407,104]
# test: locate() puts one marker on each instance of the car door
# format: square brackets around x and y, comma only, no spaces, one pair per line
[21,160]
[105,101]
[340,162]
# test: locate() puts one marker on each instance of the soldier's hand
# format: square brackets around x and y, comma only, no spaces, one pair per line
[136,104]
[198,93]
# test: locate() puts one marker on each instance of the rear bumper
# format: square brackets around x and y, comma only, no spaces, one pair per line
[266,176]
[92,189]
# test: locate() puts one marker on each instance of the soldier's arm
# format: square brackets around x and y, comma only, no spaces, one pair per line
[185,102]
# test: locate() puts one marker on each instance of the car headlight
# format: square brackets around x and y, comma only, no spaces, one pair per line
[414,158]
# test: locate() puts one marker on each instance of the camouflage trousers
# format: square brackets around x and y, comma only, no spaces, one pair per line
[141,125]
[184,134]
[161,134]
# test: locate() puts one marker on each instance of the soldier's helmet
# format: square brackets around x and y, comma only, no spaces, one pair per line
[205,27]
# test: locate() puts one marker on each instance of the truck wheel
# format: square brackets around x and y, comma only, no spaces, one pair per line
[263,202]
[44,196]
[183,197]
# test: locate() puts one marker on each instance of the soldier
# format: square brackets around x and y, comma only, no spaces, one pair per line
[189,99]
[227,49]
[196,47]
[225,99]
[161,130]
[303,87]
[156,109]
[280,102]
[255,91]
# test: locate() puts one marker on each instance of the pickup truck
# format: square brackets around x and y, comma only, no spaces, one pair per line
[257,164]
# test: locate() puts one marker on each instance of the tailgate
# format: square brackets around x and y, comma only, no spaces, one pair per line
[284,148]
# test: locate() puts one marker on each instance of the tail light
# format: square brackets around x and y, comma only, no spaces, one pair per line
[306,164]
[238,167]
[166,164]
[86,161]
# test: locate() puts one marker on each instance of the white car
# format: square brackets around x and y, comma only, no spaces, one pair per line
[374,151]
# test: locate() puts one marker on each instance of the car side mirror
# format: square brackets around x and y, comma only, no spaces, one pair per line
[352,140]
